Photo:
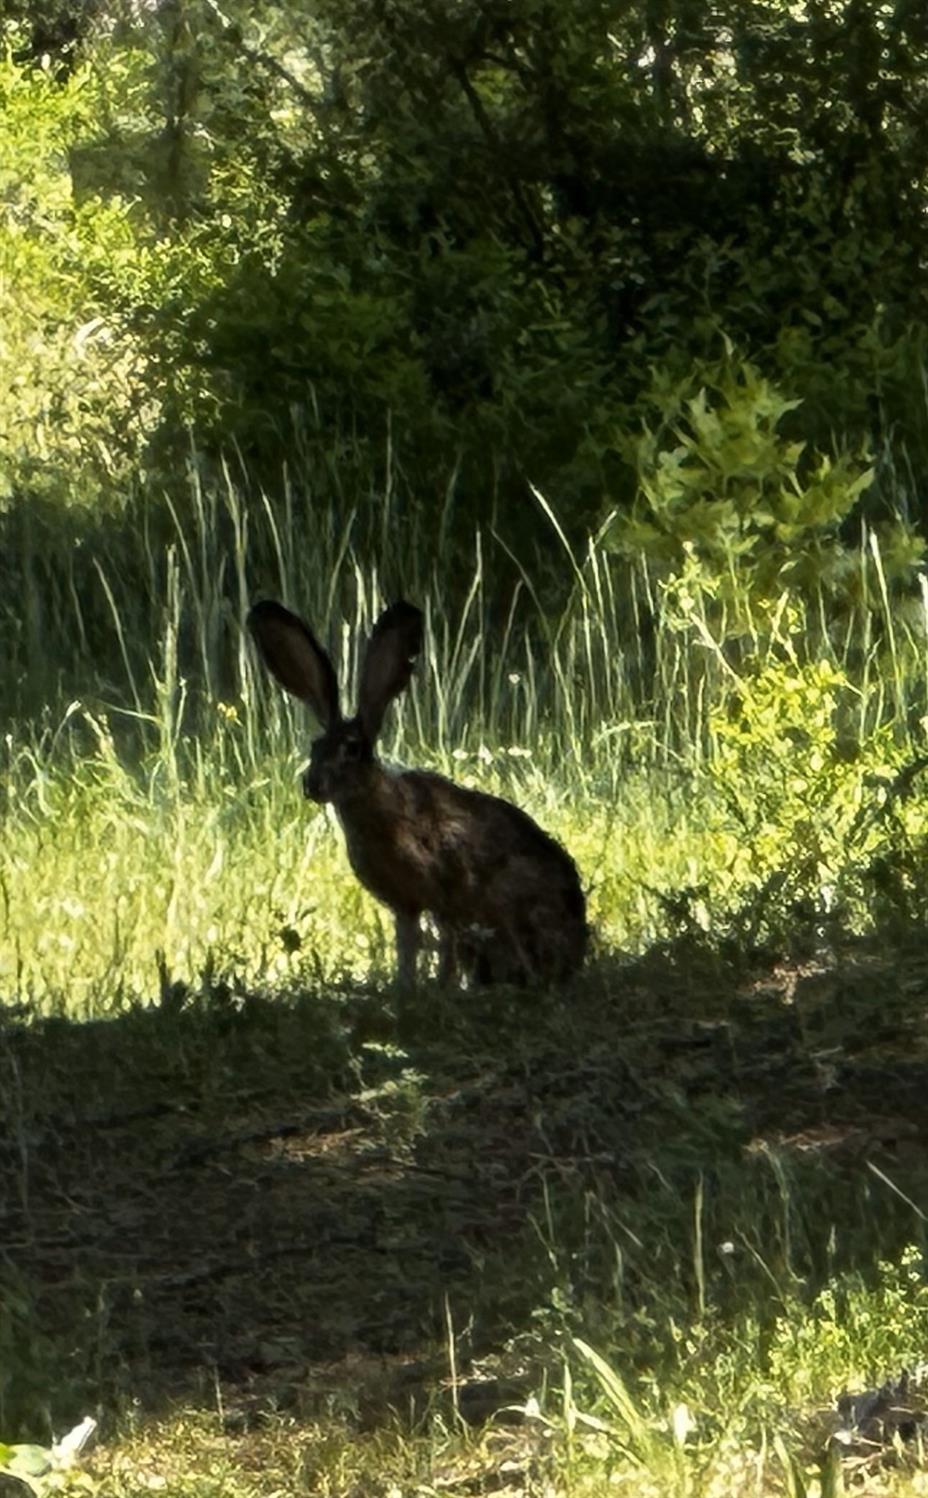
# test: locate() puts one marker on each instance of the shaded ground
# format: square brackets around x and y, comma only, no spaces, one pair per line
[295,1200]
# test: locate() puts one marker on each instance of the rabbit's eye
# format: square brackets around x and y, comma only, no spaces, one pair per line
[351,749]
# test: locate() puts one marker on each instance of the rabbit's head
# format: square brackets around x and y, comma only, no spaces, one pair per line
[338,761]
[341,757]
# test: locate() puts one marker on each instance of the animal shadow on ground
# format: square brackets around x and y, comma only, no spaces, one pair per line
[301,1198]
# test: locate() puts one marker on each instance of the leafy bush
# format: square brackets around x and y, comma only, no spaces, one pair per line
[73,408]
[735,513]
[792,773]
[857,1331]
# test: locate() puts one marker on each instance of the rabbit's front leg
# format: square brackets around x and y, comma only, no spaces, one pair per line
[408,939]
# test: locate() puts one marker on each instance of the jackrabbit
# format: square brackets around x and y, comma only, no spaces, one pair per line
[504,896]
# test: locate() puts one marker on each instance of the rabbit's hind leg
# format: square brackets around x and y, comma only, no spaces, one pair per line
[408,942]
[447,955]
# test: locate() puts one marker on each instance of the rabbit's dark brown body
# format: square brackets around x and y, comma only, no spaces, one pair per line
[504,895]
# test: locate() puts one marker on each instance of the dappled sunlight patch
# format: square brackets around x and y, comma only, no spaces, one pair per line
[833,1139]
[241,1453]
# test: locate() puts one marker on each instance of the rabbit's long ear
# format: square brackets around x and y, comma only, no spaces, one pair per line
[294,656]
[389,659]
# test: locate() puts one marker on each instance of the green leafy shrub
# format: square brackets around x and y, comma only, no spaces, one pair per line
[733,512]
[73,408]
[858,1331]
[791,770]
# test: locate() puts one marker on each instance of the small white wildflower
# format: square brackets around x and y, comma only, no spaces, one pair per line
[681,1423]
[66,1451]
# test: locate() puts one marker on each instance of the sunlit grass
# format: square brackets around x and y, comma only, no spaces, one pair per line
[111,871]
[168,839]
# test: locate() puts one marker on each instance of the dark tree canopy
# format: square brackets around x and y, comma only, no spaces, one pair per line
[481,231]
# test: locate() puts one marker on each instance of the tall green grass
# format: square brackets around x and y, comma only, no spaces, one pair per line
[142,612]
[150,798]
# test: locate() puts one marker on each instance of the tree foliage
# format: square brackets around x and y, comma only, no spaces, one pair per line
[477,232]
